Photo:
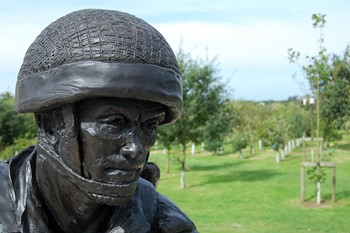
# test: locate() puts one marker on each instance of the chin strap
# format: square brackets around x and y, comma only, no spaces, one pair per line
[98,191]
[70,139]
[68,163]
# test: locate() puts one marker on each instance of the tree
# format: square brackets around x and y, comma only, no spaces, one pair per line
[218,126]
[335,108]
[272,122]
[166,137]
[18,145]
[278,133]
[12,124]
[251,119]
[204,99]
[329,80]
[239,142]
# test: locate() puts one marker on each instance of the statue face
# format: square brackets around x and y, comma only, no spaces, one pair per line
[116,137]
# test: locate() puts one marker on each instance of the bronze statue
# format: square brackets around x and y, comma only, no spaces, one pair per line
[99,82]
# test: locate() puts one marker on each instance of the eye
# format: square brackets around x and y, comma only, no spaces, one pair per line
[113,123]
[113,119]
[151,125]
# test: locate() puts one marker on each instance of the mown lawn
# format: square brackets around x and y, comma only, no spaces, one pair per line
[256,194]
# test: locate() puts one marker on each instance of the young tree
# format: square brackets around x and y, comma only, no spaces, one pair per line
[204,100]
[239,142]
[218,127]
[278,132]
[166,138]
[328,78]
[251,119]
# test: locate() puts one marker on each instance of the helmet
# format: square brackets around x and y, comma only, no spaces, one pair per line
[98,53]
[86,54]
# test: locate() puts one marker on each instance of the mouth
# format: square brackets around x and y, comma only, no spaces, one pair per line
[121,176]
[118,195]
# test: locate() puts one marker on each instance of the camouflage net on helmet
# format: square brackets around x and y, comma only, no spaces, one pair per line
[97,35]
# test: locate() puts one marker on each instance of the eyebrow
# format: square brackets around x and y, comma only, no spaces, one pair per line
[112,109]
[157,112]
[160,114]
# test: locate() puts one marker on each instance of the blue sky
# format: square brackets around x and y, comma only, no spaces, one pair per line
[249,39]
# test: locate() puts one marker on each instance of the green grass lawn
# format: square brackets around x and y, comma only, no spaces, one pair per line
[256,194]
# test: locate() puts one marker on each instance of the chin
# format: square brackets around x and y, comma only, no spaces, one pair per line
[112,194]
[109,200]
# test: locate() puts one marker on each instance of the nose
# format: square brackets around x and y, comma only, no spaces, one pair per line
[133,147]
[133,150]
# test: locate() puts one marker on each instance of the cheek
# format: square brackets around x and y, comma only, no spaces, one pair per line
[98,143]
[148,140]
[99,140]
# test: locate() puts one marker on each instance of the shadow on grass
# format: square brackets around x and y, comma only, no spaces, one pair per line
[243,176]
[344,146]
[342,195]
[328,196]
[211,167]
[291,157]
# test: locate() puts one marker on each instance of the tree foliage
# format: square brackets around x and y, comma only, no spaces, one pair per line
[272,122]
[12,124]
[329,78]
[18,145]
[251,119]
[205,115]
[239,142]
[336,102]
[218,126]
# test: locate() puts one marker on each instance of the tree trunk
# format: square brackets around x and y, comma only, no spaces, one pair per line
[240,154]
[183,167]
[250,150]
[318,193]
[277,156]
[167,161]
[318,184]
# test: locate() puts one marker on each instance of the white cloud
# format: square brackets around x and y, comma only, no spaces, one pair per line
[256,52]
[247,41]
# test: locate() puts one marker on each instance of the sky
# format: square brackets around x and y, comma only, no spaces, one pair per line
[248,39]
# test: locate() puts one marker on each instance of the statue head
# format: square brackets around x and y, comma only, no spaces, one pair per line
[98,53]
[99,83]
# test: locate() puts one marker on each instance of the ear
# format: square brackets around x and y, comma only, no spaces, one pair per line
[58,133]
[47,123]
[69,146]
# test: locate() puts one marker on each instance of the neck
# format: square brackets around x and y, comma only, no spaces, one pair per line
[71,209]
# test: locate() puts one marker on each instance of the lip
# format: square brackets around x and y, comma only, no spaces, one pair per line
[121,176]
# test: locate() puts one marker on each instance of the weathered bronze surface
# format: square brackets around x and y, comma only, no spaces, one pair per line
[99,82]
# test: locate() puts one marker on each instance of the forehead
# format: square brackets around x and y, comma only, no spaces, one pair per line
[128,107]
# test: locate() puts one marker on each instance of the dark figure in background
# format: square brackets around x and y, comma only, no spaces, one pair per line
[99,83]
[151,172]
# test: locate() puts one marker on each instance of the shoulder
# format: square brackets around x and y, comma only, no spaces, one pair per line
[10,172]
[166,216]
[171,219]
[9,179]
[147,198]
[138,214]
